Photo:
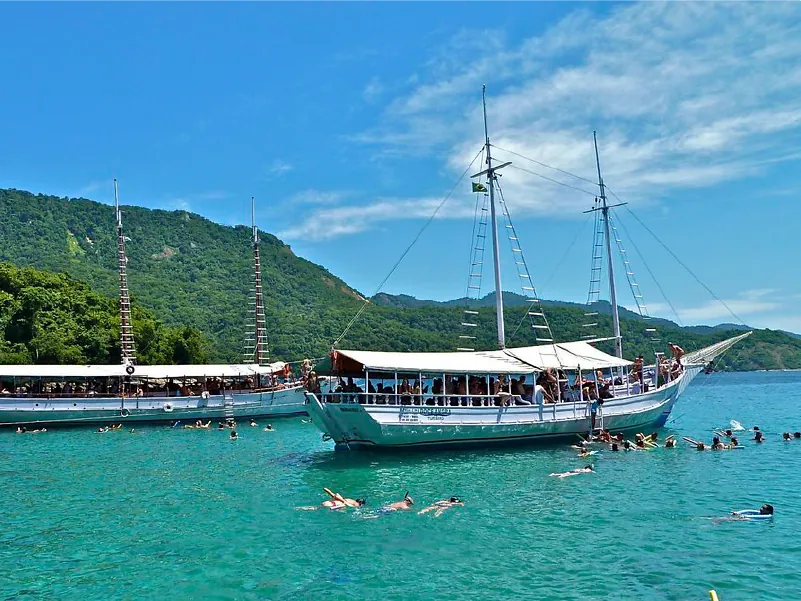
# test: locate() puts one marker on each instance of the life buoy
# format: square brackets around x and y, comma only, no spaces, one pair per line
[130,369]
[124,412]
[167,407]
[204,394]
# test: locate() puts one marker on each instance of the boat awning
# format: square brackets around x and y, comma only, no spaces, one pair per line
[155,372]
[521,360]
[567,355]
[61,371]
[238,370]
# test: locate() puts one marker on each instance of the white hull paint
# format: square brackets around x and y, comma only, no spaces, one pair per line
[356,426]
[39,411]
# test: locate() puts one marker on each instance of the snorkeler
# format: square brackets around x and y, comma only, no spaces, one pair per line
[441,506]
[587,469]
[338,498]
[405,503]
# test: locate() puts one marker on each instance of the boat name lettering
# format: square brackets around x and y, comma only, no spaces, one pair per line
[427,411]
[346,409]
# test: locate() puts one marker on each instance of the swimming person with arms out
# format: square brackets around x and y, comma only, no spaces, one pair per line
[440,506]
[587,469]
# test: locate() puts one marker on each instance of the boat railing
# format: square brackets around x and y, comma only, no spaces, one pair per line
[132,395]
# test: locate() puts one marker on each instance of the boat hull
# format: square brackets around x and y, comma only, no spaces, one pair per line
[354,426]
[40,411]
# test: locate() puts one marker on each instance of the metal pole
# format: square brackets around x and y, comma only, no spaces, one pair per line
[610,261]
[495,251]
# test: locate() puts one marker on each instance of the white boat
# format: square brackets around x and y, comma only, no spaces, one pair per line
[75,394]
[455,400]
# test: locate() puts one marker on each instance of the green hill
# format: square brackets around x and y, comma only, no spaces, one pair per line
[191,272]
[51,318]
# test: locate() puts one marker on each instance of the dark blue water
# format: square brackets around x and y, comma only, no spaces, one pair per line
[185,514]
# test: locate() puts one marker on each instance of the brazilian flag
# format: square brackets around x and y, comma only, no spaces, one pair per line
[479,187]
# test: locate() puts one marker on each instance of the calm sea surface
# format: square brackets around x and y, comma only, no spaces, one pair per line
[183,514]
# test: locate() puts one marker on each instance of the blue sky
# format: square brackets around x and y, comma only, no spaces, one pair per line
[349,123]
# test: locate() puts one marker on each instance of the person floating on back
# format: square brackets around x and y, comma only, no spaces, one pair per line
[587,469]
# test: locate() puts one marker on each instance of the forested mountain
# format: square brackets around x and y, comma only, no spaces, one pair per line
[196,274]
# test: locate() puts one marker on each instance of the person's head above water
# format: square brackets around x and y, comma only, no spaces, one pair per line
[409,501]
[796,434]
[734,441]
[700,446]
[361,502]
[588,467]
[454,500]
[786,436]
[756,428]
[715,440]
[728,432]
[615,447]
[766,509]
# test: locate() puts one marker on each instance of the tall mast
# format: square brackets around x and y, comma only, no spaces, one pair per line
[610,261]
[126,327]
[494,224]
[259,349]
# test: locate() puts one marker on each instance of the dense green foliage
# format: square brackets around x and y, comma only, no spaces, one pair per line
[192,272]
[50,318]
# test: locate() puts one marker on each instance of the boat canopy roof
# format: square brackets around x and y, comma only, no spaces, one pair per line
[522,360]
[141,371]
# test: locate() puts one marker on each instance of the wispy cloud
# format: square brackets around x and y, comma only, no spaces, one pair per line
[748,304]
[683,95]
[277,168]
[373,90]
[317,197]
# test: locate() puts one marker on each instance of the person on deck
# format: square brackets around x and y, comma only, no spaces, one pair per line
[676,351]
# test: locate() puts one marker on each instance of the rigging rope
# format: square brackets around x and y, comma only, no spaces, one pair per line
[680,262]
[651,273]
[517,154]
[550,179]
[408,248]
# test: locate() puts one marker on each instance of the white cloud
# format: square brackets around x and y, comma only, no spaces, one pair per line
[317,197]
[278,168]
[683,95]
[373,90]
[328,223]
[757,307]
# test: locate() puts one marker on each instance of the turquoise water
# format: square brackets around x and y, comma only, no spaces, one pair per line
[188,514]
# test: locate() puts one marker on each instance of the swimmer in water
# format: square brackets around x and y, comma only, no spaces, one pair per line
[405,503]
[253,423]
[796,434]
[338,498]
[268,428]
[21,429]
[336,501]
[786,437]
[440,506]
[627,446]
[614,447]
[221,426]
[717,445]
[670,442]
[305,421]
[758,437]
[234,435]
[132,430]
[734,443]
[587,469]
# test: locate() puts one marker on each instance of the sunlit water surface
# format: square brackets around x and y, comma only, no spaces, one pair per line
[183,514]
